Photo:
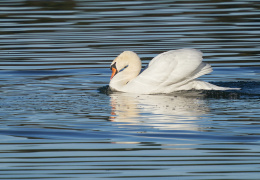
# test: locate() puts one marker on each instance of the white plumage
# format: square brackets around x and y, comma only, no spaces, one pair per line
[170,71]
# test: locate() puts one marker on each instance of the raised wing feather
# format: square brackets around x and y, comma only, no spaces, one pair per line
[172,67]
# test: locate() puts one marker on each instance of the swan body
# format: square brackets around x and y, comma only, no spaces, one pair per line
[170,71]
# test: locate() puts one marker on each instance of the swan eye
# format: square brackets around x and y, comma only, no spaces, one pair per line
[123,68]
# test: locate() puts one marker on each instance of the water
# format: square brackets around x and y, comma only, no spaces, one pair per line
[55,124]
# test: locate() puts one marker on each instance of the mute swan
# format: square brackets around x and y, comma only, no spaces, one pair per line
[170,71]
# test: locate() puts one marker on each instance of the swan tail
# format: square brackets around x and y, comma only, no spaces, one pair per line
[201,85]
[203,69]
[191,83]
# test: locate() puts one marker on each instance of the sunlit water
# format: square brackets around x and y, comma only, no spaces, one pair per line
[59,121]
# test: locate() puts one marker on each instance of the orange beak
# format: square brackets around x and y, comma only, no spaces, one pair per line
[114,71]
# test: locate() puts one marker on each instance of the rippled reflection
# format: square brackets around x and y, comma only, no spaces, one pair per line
[172,111]
[54,54]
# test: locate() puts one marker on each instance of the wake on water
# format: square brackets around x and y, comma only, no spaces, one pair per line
[248,89]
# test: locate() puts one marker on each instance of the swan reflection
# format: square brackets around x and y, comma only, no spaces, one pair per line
[171,111]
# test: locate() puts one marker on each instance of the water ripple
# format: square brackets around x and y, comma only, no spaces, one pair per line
[55,124]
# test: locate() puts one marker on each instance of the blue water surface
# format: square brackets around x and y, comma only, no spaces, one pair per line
[59,121]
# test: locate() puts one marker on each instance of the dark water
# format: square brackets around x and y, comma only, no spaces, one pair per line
[55,124]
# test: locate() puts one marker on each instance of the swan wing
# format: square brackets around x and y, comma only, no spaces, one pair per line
[170,69]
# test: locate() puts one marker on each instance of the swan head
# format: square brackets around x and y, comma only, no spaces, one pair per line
[127,59]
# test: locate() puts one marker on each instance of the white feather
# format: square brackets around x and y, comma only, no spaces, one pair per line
[167,72]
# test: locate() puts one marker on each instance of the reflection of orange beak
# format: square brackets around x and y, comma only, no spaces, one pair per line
[113,110]
[114,71]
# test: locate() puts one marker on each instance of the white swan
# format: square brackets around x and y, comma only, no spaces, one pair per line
[170,71]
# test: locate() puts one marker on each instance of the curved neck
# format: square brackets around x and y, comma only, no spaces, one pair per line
[123,77]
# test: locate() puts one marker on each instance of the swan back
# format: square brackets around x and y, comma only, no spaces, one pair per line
[170,70]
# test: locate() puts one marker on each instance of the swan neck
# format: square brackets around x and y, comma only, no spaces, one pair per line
[124,76]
